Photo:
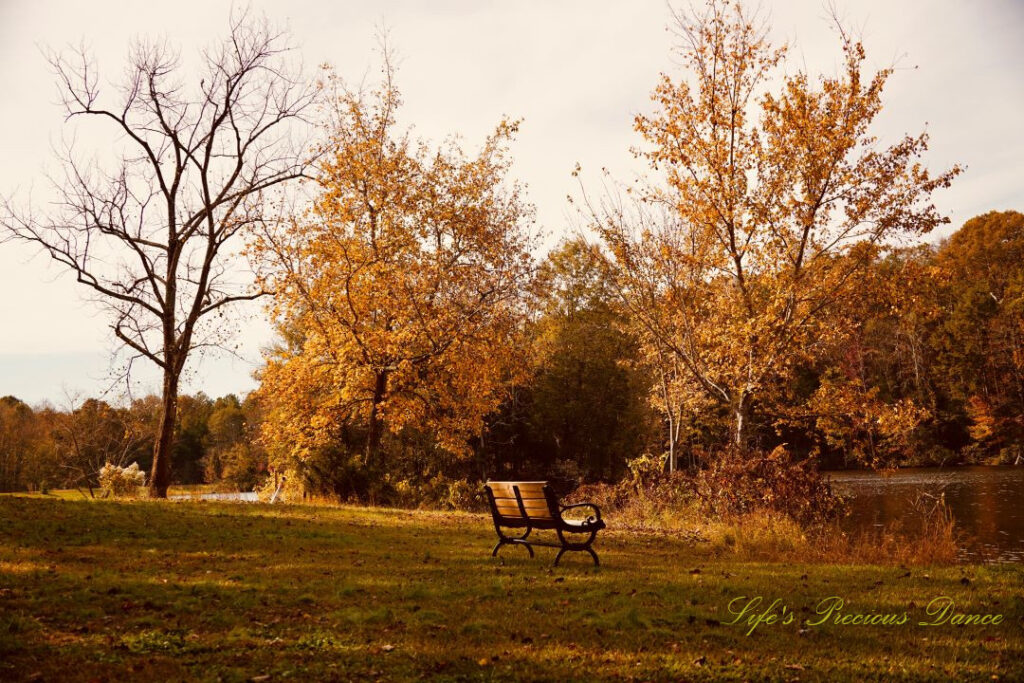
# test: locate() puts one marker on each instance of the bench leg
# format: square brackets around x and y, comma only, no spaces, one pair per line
[568,545]
[562,551]
[511,541]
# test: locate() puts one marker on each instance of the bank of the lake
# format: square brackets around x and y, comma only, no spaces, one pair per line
[987,504]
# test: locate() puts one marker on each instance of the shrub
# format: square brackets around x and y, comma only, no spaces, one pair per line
[741,482]
[121,481]
[732,484]
[438,492]
[645,496]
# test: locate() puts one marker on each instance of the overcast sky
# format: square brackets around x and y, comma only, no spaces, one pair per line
[575,71]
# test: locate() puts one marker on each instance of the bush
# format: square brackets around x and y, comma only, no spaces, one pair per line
[732,484]
[741,482]
[438,492]
[121,481]
[645,496]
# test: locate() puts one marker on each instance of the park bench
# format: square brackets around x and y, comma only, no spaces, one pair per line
[529,505]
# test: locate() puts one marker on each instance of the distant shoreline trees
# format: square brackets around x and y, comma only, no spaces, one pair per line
[65,447]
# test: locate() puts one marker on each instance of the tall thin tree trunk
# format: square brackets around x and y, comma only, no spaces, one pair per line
[671,427]
[373,428]
[740,411]
[673,418]
[160,477]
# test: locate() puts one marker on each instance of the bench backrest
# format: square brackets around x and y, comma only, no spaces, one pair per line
[534,496]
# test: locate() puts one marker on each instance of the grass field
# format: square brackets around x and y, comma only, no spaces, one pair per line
[102,590]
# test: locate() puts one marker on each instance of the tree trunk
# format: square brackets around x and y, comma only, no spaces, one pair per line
[671,443]
[740,411]
[373,428]
[673,420]
[160,476]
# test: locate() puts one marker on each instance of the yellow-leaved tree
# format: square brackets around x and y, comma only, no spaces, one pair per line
[769,196]
[399,292]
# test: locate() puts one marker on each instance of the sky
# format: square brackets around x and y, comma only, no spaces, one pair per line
[575,71]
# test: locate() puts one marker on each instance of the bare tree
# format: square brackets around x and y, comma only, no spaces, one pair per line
[89,434]
[149,224]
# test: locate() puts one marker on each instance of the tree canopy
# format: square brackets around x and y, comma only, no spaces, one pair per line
[765,205]
[400,289]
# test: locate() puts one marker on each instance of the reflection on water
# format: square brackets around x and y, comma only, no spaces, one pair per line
[987,504]
[245,496]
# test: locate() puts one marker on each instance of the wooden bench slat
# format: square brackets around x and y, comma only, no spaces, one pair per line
[531,489]
[513,511]
[532,524]
[527,502]
[525,498]
[530,507]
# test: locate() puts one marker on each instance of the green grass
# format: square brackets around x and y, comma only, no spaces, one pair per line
[144,590]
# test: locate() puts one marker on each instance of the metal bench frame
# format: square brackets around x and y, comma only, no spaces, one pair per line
[590,526]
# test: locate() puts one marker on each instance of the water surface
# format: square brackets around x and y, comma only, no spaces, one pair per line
[987,504]
[244,496]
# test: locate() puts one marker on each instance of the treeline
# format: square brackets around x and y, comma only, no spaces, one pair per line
[939,350]
[932,373]
[929,371]
[748,302]
[46,447]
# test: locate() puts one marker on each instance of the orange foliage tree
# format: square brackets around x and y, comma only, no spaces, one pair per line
[765,207]
[980,343]
[399,290]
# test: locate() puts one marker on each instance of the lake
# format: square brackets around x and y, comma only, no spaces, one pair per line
[244,496]
[987,504]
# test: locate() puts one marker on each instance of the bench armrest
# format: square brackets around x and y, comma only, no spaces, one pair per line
[591,518]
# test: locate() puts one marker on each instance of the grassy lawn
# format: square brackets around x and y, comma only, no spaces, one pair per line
[101,590]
